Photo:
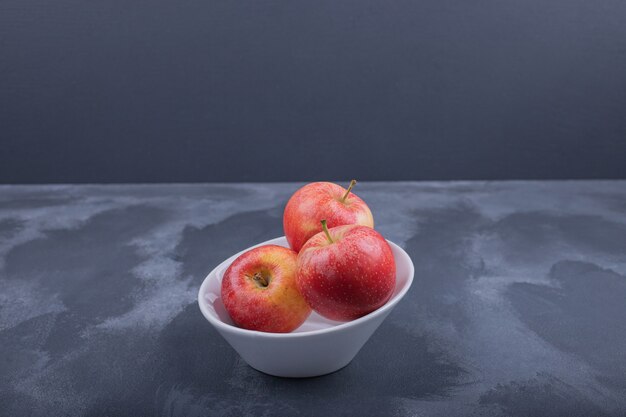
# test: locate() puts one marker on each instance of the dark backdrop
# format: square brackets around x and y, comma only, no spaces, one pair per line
[216,90]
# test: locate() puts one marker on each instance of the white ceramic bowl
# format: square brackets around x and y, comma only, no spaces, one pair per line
[320,346]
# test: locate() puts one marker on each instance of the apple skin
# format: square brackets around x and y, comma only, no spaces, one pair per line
[349,278]
[278,307]
[317,201]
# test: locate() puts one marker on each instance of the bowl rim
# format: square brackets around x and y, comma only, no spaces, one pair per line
[220,325]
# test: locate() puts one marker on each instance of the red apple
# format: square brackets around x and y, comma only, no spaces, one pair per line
[346,272]
[322,200]
[259,290]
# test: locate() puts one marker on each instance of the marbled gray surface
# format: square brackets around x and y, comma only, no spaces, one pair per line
[518,307]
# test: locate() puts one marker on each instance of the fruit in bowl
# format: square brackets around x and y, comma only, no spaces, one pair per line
[259,290]
[322,200]
[346,272]
[261,299]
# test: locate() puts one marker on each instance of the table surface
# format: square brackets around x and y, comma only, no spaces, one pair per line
[518,306]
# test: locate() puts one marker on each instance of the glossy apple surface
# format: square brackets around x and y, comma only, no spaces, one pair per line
[259,290]
[322,200]
[346,274]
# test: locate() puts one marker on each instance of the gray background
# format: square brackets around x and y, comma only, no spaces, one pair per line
[211,90]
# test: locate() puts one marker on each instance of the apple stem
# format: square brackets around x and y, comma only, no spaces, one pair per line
[352,184]
[259,278]
[325,229]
